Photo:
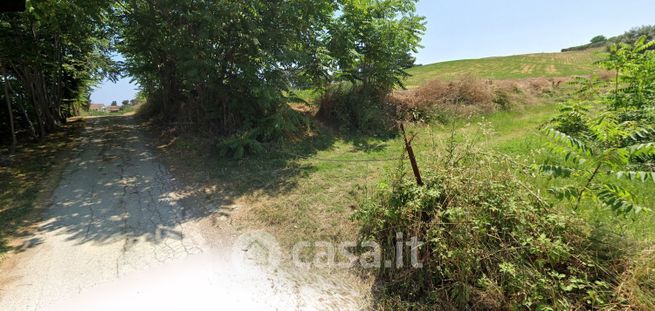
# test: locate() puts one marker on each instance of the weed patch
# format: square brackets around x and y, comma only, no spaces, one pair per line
[490,241]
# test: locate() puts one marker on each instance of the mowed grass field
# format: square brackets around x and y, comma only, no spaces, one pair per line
[542,65]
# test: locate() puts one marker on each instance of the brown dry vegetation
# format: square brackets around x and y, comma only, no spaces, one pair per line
[469,95]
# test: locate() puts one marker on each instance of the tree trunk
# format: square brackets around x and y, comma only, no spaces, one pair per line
[12,147]
[24,112]
[30,124]
[36,103]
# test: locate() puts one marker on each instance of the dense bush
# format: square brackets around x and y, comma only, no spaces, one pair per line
[490,242]
[352,107]
[283,124]
[587,46]
[598,39]
[633,35]
[227,67]
[629,37]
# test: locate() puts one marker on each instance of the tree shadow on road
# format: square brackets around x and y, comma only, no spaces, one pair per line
[27,182]
[121,183]
[115,188]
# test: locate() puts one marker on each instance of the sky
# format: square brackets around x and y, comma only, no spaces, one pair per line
[460,29]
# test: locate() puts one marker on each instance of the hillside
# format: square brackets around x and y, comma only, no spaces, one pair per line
[510,67]
[630,37]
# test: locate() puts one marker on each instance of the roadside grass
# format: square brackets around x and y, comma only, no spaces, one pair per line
[27,182]
[307,190]
[542,65]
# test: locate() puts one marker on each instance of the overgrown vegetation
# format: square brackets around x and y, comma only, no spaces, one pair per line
[466,96]
[353,107]
[490,242]
[350,108]
[629,37]
[50,56]
[493,242]
[229,68]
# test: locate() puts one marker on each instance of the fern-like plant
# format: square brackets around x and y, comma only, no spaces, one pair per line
[595,172]
[601,138]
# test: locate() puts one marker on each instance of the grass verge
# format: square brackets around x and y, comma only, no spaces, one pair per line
[308,189]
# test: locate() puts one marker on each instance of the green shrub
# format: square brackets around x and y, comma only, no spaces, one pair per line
[353,107]
[602,138]
[502,100]
[283,124]
[490,242]
[598,39]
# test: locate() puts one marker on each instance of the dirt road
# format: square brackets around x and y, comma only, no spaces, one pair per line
[118,235]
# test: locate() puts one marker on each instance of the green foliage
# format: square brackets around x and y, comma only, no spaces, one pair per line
[633,35]
[601,139]
[230,66]
[53,53]
[284,123]
[351,107]
[596,171]
[222,65]
[635,73]
[598,39]
[372,42]
[630,37]
[490,241]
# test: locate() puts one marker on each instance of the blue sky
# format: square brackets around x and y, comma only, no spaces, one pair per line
[459,29]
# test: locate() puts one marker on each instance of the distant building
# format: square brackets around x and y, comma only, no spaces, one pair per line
[97,107]
[114,107]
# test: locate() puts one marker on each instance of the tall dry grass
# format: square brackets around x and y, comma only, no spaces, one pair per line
[469,95]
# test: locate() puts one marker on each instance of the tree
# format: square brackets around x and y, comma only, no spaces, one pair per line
[598,39]
[53,53]
[10,113]
[373,41]
[227,62]
[232,64]
[631,36]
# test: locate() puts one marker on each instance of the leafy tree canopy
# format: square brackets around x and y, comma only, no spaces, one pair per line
[598,39]
[233,65]
[51,56]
